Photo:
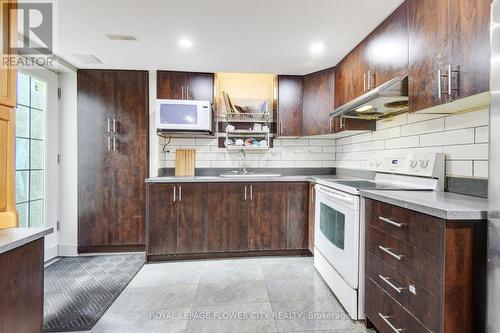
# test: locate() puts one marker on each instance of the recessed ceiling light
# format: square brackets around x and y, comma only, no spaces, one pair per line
[185,43]
[316,48]
[121,37]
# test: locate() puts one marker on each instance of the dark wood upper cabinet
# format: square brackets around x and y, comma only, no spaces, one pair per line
[429,52]
[470,46]
[267,228]
[358,71]
[318,102]
[185,85]
[227,217]
[449,40]
[112,158]
[289,106]
[387,48]
[341,95]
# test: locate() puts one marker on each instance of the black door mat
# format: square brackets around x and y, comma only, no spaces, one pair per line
[79,290]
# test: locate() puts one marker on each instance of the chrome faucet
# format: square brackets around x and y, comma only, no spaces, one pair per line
[243,165]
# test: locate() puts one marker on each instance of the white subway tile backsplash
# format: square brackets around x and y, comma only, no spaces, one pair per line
[469,119]
[463,136]
[467,152]
[387,133]
[392,122]
[459,168]
[482,134]
[321,142]
[429,126]
[404,142]
[481,169]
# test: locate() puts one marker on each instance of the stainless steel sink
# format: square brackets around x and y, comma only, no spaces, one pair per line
[249,175]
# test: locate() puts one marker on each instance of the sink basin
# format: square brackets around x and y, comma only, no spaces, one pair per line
[250,175]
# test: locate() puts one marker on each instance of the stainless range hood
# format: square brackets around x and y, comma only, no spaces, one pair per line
[389,99]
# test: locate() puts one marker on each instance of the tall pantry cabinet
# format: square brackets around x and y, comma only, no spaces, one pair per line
[112,159]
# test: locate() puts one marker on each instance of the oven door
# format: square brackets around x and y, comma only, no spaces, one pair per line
[184,115]
[337,231]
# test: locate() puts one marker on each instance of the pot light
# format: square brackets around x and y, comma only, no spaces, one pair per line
[185,43]
[316,48]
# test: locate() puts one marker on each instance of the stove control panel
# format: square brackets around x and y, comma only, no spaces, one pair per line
[420,164]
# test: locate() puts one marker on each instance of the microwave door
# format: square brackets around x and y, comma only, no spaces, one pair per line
[179,116]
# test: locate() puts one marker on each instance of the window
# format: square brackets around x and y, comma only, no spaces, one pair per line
[30,151]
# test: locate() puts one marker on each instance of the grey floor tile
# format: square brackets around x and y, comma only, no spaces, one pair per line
[319,314]
[134,323]
[241,318]
[231,271]
[146,300]
[287,271]
[168,275]
[298,290]
[231,293]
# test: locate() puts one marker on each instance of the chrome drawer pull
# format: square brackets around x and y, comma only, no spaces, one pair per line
[389,252]
[386,319]
[386,280]
[391,222]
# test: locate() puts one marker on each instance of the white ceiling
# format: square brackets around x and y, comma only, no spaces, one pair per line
[263,36]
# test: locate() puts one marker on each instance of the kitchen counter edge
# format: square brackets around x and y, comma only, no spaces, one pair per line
[444,205]
[217,179]
[12,238]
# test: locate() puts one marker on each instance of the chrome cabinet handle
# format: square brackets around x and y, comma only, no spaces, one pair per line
[180,193]
[114,125]
[386,280]
[391,222]
[109,125]
[440,92]
[114,143]
[364,82]
[392,254]
[369,81]
[386,320]
[245,193]
[457,72]
[175,193]
[251,192]
[449,80]
[109,143]
[440,86]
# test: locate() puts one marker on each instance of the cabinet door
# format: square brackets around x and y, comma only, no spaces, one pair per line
[8,75]
[387,48]
[4,135]
[193,218]
[267,221]
[200,86]
[470,46]
[170,85]
[130,135]
[227,217]
[289,105]
[341,84]
[161,215]
[318,102]
[357,68]
[297,215]
[96,160]
[312,203]
[429,52]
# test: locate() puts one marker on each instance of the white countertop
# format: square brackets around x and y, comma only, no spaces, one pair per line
[218,179]
[11,238]
[443,205]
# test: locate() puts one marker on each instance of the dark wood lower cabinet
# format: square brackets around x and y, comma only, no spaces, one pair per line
[21,288]
[226,219]
[428,275]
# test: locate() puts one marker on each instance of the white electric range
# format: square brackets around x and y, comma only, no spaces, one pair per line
[339,246]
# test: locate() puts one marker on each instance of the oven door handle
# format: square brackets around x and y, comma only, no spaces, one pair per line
[334,195]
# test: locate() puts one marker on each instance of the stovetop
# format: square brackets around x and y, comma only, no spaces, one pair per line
[354,186]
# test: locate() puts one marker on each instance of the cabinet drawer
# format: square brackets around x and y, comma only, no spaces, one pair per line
[422,231]
[386,314]
[419,302]
[420,266]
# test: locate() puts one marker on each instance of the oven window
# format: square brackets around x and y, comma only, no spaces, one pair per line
[182,114]
[332,225]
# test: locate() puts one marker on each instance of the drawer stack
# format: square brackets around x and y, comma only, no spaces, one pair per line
[423,274]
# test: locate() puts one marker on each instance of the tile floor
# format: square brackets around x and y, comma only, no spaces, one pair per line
[231,295]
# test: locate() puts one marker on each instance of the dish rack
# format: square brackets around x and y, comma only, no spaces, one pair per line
[243,129]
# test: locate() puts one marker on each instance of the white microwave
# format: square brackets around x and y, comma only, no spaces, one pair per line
[175,115]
